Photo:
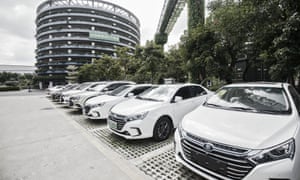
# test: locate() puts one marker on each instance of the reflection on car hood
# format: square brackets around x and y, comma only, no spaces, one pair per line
[242,129]
[135,106]
[71,92]
[100,99]
[88,93]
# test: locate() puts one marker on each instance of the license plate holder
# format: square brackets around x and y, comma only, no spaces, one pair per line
[209,162]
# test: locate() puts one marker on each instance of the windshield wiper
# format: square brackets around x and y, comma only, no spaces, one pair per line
[274,111]
[214,105]
[244,109]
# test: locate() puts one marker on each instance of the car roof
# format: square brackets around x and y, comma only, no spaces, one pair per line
[258,84]
[179,85]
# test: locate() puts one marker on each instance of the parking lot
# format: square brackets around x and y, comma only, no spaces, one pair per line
[41,139]
[154,159]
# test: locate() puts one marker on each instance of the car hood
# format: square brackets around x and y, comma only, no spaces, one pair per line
[100,99]
[88,93]
[135,106]
[71,92]
[241,129]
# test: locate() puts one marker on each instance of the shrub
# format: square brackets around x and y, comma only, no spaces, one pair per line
[9,88]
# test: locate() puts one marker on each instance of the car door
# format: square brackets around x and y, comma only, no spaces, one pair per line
[182,107]
[198,94]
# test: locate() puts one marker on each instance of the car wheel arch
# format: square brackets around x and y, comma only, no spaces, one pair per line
[162,118]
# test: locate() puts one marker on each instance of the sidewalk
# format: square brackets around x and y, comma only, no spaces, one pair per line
[38,142]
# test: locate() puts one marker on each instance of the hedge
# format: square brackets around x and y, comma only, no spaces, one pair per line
[9,88]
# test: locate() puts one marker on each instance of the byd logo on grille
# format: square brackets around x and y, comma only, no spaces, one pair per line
[208,147]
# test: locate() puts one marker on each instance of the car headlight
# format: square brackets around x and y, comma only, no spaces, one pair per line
[282,151]
[140,116]
[181,131]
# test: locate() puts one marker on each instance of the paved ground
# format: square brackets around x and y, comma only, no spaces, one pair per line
[39,141]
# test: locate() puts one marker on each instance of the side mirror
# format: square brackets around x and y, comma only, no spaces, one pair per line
[177,99]
[130,95]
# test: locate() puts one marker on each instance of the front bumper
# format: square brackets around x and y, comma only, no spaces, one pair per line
[97,112]
[138,129]
[276,170]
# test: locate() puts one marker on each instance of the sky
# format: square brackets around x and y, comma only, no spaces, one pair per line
[17,26]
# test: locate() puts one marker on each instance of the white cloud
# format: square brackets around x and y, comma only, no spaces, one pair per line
[17,50]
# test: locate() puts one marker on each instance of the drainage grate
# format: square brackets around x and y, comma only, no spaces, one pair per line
[165,167]
[129,149]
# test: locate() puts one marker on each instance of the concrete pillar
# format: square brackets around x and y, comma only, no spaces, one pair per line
[41,85]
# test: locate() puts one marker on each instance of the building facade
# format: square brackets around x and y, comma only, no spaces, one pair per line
[76,32]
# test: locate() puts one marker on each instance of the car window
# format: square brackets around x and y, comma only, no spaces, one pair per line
[114,86]
[139,90]
[120,91]
[197,91]
[296,97]
[184,92]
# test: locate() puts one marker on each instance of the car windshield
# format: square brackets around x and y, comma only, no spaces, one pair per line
[122,90]
[83,86]
[98,87]
[253,99]
[160,93]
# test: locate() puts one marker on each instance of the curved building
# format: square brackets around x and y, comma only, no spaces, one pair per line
[75,32]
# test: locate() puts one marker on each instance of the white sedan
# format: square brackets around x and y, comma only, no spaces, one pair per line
[246,131]
[78,100]
[98,107]
[156,112]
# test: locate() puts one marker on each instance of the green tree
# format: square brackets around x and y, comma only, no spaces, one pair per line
[103,69]
[151,57]
[124,56]
[175,66]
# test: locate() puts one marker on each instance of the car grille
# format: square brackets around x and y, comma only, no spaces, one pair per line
[119,119]
[228,161]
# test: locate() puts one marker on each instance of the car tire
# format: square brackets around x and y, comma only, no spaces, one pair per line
[162,129]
